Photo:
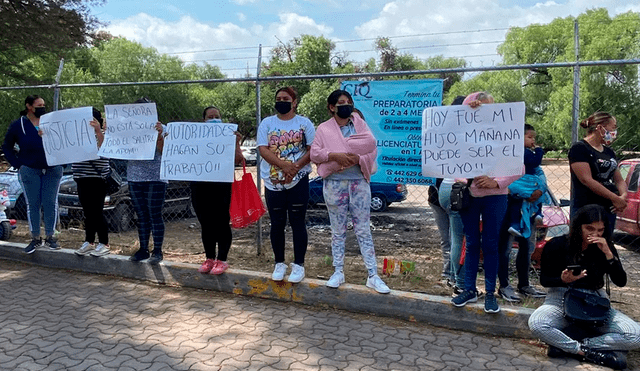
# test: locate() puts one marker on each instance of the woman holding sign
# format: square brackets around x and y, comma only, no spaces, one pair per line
[489,202]
[345,152]
[283,142]
[211,202]
[92,188]
[147,194]
[40,182]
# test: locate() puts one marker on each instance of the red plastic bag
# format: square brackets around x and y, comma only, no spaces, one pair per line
[246,204]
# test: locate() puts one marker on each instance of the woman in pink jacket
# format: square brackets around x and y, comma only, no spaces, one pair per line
[344,149]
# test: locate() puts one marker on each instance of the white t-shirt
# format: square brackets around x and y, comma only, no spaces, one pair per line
[288,140]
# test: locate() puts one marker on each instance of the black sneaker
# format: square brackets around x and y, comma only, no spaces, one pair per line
[31,247]
[490,303]
[605,358]
[464,298]
[140,255]
[156,257]
[554,352]
[456,291]
[52,243]
[532,292]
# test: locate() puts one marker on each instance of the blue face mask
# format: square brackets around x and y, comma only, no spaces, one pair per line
[217,121]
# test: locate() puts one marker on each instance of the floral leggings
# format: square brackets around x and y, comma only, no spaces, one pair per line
[342,197]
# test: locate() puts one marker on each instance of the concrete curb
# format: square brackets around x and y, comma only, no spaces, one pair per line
[431,309]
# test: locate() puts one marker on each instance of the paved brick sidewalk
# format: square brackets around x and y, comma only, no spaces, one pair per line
[61,320]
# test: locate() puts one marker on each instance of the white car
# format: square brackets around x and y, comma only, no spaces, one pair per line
[9,181]
[249,154]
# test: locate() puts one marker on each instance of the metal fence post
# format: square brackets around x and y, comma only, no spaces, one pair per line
[576,85]
[56,90]
[258,119]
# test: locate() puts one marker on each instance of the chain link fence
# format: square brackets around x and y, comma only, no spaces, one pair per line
[403,222]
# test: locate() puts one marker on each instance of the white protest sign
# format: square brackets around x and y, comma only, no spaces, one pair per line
[131,133]
[67,136]
[463,142]
[199,151]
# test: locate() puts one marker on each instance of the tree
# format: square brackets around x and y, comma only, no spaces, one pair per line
[548,92]
[38,27]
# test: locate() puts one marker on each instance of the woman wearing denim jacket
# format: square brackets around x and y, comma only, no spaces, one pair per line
[40,182]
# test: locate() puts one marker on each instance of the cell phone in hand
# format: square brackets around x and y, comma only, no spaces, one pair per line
[575,269]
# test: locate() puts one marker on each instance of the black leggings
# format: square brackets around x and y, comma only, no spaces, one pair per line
[294,203]
[211,201]
[91,193]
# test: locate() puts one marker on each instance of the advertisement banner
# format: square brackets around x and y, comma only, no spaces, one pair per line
[393,110]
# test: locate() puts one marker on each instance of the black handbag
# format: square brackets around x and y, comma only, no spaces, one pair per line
[589,309]
[461,195]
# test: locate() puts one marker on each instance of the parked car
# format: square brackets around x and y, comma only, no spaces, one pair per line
[629,220]
[555,223]
[118,208]
[18,205]
[382,194]
[249,154]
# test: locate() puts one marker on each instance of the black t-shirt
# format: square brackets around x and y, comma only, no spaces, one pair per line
[602,164]
[557,256]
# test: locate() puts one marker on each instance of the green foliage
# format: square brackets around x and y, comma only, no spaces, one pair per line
[32,30]
[548,93]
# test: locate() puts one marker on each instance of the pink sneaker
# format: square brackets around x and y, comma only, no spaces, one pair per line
[207,266]
[219,268]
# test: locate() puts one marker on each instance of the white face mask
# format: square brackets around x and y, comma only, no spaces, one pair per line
[217,121]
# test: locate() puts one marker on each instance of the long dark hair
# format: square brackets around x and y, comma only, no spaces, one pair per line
[586,215]
[332,99]
[29,100]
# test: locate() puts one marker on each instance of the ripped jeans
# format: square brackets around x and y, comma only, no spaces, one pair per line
[292,203]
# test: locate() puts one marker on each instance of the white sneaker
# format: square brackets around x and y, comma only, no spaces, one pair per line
[85,248]
[376,283]
[101,250]
[297,273]
[279,271]
[337,278]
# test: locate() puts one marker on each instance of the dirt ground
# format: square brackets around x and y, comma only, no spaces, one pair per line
[405,232]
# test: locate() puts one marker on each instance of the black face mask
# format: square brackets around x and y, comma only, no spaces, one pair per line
[344,111]
[283,107]
[40,111]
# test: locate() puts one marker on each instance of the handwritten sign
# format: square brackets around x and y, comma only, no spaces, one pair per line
[131,133]
[67,136]
[199,151]
[463,142]
[393,110]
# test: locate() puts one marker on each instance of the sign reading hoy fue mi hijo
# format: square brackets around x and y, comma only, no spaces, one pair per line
[465,142]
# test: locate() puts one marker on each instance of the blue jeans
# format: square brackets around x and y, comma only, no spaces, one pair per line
[526,246]
[492,209]
[442,221]
[40,188]
[148,200]
[456,234]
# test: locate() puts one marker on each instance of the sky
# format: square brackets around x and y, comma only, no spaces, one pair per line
[228,33]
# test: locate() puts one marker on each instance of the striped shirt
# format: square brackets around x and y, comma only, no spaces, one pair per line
[91,169]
